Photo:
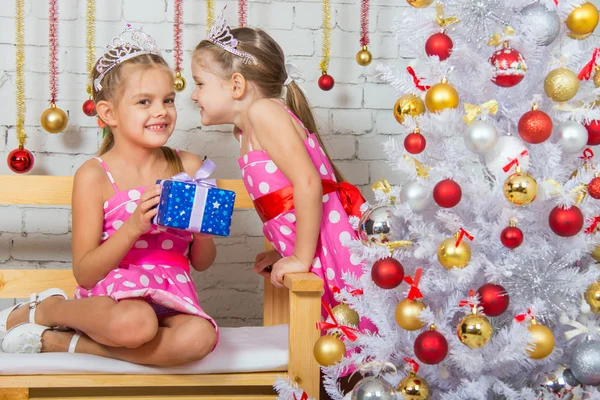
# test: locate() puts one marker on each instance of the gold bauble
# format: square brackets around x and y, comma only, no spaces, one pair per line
[596,253]
[579,37]
[561,84]
[413,387]
[520,188]
[420,3]
[364,57]
[449,255]
[407,314]
[597,77]
[346,316]
[54,120]
[592,296]
[474,330]
[409,104]
[583,19]
[329,350]
[179,82]
[441,96]
[543,341]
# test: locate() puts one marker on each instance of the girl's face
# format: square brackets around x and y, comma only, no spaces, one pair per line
[212,94]
[145,113]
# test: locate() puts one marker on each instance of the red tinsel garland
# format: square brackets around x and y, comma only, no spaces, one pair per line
[177,51]
[242,13]
[364,23]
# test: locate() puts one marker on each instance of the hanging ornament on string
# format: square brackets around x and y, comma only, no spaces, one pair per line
[431,347]
[520,188]
[408,105]
[493,299]
[387,273]
[592,297]
[474,330]
[582,21]
[439,44]
[511,236]
[88,107]
[481,136]
[535,126]
[416,196]
[373,388]
[441,96]
[364,56]
[542,343]
[447,193]
[593,188]
[543,23]
[408,310]
[572,136]
[509,65]
[413,387]
[329,349]
[593,131]
[242,13]
[585,362]
[20,160]
[210,14]
[53,119]
[561,84]
[566,222]
[455,252]
[326,81]
[415,142]
[178,80]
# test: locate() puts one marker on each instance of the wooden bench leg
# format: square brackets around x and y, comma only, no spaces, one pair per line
[14,394]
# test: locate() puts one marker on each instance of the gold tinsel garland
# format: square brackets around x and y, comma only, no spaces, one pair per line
[324,65]
[210,14]
[90,40]
[20,64]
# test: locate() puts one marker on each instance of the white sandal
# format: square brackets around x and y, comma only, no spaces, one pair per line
[26,338]
[34,300]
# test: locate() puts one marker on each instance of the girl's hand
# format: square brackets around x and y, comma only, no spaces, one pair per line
[264,261]
[141,219]
[284,266]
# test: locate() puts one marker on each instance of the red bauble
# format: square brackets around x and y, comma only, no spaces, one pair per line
[415,143]
[511,237]
[439,45]
[326,82]
[447,193]
[593,129]
[387,273]
[89,108]
[535,126]
[431,347]
[594,188]
[494,299]
[566,222]
[509,67]
[20,160]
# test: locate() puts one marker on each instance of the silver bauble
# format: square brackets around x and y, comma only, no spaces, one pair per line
[543,23]
[572,137]
[480,137]
[417,196]
[376,225]
[560,381]
[570,378]
[371,388]
[585,362]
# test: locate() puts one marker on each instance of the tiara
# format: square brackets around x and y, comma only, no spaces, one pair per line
[220,35]
[130,43]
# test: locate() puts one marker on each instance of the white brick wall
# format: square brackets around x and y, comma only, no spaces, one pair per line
[355,117]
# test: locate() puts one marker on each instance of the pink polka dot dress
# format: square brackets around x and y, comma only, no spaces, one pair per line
[157,267]
[261,177]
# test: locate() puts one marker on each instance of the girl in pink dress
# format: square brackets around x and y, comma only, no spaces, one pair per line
[300,196]
[136,300]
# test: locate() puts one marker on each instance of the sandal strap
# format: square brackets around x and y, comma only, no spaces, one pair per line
[73,342]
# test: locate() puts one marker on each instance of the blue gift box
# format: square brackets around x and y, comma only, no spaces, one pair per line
[195,204]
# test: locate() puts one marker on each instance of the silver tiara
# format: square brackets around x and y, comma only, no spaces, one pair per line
[220,35]
[130,43]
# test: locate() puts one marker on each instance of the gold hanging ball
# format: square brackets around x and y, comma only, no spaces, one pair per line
[592,297]
[543,341]
[520,188]
[407,314]
[413,387]
[420,3]
[364,57]
[441,96]
[329,350]
[409,104]
[597,77]
[450,255]
[346,316]
[179,82]
[474,330]
[561,84]
[596,253]
[583,20]
[53,119]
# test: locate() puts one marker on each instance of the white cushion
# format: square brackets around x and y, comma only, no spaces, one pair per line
[247,349]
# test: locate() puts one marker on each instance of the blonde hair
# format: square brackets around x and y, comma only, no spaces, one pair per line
[269,75]
[112,84]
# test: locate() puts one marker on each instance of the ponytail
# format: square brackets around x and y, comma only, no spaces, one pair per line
[108,142]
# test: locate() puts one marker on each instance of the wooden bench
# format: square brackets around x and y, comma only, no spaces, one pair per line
[298,305]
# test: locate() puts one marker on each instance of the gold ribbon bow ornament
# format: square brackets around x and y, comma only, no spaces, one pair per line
[500,38]
[473,110]
[441,19]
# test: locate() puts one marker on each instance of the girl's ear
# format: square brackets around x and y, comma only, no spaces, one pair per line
[106,113]
[238,83]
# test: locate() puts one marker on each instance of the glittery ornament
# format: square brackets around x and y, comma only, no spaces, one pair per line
[566,222]
[431,347]
[561,84]
[543,23]
[535,126]
[582,21]
[593,188]
[509,66]
[413,387]
[408,105]
[585,362]
[329,350]
[372,388]
[345,316]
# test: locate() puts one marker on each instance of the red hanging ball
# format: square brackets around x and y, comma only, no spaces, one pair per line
[431,347]
[447,193]
[494,299]
[439,45]
[593,129]
[511,237]
[594,188]
[20,160]
[509,67]
[414,143]
[387,273]
[326,82]
[535,126]
[89,108]
[565,222]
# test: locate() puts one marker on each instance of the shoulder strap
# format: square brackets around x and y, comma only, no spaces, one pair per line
[110,177]
[291,114]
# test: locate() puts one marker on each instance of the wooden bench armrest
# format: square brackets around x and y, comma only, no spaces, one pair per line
[306,282]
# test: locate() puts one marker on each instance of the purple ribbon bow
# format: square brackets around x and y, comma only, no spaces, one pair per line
[200,177]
